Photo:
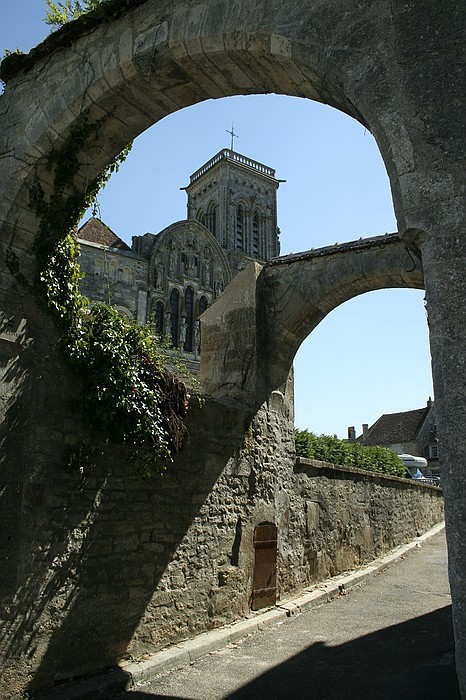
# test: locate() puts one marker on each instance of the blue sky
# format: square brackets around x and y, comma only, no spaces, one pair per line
[370,356]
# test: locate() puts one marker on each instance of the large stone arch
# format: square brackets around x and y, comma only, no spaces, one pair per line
[370,60]
[150,62]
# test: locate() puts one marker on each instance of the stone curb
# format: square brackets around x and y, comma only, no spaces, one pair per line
[184,653]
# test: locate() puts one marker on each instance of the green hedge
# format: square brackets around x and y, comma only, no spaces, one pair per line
[329,448]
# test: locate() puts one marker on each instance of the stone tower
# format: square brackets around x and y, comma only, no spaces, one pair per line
[170,278]
[235,198]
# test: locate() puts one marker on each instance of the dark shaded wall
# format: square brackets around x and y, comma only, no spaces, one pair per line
[103,563]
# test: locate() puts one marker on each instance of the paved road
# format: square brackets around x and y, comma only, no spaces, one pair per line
[388,639]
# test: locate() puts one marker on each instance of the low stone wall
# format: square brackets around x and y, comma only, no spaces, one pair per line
[353,516]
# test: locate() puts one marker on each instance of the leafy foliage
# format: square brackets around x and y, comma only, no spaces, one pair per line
[9,52]
[329,448]
[60,13]
[128,389]
[55,247]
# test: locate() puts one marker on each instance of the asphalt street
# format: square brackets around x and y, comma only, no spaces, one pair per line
[389,638]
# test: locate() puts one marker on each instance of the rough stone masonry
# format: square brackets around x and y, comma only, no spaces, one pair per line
[74,550]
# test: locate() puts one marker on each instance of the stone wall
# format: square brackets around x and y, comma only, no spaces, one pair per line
[352,516]
[115,276]
[104,563]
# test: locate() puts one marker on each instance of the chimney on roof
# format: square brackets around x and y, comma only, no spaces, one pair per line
[351,433]
[365,430]
[429,402]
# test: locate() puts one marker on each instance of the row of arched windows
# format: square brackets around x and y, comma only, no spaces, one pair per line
[177,318]
[248,228]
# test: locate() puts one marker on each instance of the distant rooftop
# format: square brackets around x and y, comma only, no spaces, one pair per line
[234,157]
[396,427]
[95,231]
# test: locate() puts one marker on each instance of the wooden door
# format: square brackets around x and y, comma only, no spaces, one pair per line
[264,587]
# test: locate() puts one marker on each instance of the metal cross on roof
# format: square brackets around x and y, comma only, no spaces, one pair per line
[233,136]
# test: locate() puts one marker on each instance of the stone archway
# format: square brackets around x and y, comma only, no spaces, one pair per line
[371,62]
[252,333]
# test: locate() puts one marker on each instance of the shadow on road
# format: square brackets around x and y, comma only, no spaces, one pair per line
[413,660]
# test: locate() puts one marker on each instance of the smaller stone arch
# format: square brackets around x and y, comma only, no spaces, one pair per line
[124,312]
[174,320]
[189,301]
[159,317]
[268,310]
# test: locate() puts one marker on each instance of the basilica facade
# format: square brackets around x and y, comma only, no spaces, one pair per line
[169,278]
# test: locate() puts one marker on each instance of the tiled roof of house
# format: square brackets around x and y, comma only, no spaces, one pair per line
[396,427]
[95,231]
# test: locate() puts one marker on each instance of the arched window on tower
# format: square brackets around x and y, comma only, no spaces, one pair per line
[255,234]
[211,219]
[239,228]
[189,311]
[159,312]
[174,315]
[201,217]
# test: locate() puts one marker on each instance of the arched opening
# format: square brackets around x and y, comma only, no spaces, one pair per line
[175,316]
[159,317]
[203,305]
[201,217]
[211,219]
[255,235]
[189,313]
[343,194]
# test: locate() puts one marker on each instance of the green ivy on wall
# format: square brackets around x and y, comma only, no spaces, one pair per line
[130,389]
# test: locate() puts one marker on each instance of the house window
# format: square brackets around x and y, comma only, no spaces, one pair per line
[240,228]
[174,315]
[159,312]
[433,450]
[189,311]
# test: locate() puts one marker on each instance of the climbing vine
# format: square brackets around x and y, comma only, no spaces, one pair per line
[130,389]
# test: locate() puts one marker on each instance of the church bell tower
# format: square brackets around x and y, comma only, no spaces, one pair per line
[235,198]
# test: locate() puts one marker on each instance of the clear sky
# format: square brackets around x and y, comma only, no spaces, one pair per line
[370,356]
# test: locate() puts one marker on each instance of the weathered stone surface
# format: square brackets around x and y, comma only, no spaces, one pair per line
[393,66]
